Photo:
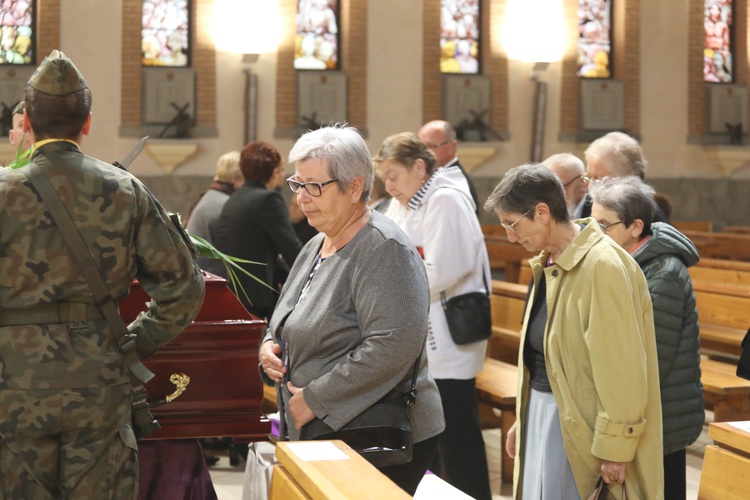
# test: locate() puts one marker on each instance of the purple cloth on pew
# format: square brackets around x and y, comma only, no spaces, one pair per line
[173,469]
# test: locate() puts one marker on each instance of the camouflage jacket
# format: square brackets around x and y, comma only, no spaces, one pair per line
[129,236]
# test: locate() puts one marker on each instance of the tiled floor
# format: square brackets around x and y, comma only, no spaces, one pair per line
[228,480]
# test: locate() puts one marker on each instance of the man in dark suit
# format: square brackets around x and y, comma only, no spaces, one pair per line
[255,225]
[440,137]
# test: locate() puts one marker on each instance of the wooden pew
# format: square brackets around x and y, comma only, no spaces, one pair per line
[722,270]
[693,225]
[723,315]
[725,393]
[725,474]
[737,229]
[721,245]
[346,476]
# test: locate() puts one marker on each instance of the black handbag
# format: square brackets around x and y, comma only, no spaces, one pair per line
[381,433]
[469,316]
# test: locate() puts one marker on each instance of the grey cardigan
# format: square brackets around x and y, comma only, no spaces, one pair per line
[358,330]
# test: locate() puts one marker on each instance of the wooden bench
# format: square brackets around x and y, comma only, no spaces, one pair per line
[737,229]
[723,316]
[497,385]
[693,225]
[722,270]
[721,245]
[725,474]
[725,393]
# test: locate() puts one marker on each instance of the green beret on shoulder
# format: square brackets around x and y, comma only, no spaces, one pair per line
[57,75]
[19,107]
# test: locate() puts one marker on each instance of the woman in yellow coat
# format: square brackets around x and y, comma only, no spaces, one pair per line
[588,397]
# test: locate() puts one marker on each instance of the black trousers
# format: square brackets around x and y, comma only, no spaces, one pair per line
[408,476]
[674,476]
[461,459]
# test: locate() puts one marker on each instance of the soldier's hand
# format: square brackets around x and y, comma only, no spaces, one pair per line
[270,360]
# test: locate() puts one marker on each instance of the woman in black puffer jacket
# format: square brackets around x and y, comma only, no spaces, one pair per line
[624,208]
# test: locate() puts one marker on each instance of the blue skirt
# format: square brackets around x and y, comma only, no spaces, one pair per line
[546,470]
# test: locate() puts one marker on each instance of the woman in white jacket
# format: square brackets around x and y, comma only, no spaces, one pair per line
[435,209]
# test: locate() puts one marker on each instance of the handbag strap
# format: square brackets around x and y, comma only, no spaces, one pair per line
[89,270]
[486,287]
[411,396]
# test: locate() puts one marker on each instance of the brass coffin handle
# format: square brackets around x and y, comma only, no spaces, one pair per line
[180,381]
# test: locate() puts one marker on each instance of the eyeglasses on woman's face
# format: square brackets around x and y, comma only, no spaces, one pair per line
[511,227]
[313,188]
[605,227]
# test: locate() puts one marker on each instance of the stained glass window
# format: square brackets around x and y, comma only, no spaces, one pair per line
[17,32]
[717,47]
[594,38]
[459,36]
[165,36]
[316,45]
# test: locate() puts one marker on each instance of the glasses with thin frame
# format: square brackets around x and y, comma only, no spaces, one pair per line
[605,227]
[511,227]
[313,188]
[571,181]
[589,180]
[439,145]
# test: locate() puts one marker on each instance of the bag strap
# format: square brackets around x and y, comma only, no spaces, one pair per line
[411,396]
[486,287]
[89,270]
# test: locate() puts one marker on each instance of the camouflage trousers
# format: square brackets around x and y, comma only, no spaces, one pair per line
[67,443]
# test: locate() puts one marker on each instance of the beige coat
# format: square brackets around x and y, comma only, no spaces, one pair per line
[600,352]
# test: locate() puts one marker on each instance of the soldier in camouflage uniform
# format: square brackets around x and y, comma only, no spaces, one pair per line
[65,395]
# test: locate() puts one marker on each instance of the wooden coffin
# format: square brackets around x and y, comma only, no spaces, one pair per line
[219,352]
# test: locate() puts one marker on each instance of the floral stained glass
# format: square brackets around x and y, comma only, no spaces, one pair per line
[594,38]
[717,46]
[459,36]
[17,32]
[165,37]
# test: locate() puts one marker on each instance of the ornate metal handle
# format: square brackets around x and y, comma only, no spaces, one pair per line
[180,381]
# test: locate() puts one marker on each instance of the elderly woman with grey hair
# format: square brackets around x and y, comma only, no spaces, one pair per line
[624,208]
[352,317]
[588,395]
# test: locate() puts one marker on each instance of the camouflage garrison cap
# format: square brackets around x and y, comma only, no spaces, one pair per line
[19,107]
[57,75]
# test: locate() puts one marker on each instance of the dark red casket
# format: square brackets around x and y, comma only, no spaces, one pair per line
[219,352]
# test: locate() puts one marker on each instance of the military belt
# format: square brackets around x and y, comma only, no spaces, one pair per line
[64,312]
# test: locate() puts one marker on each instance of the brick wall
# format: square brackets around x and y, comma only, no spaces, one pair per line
[625,62]
[494,62]
[48,28]
[203,62]
[353,51]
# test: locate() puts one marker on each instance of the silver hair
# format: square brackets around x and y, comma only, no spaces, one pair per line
[344,150]
[228,167]
[568,161]
[629,197]
[621,153]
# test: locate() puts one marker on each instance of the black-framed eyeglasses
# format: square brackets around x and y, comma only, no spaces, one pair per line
[605,227]
[439,145]
[313,188]
[571,181]
[511,227]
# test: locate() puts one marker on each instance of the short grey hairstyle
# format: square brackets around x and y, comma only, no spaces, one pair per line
[522,188]
[568,161]
[621,153]
[449,133]
[629,197]
[344,150]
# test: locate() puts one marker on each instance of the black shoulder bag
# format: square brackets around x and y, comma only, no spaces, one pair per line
[143,422]
[381,433]
[469,316]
